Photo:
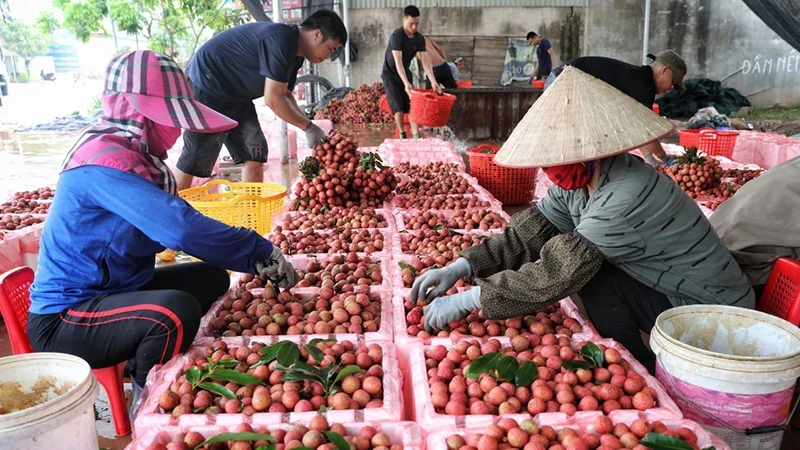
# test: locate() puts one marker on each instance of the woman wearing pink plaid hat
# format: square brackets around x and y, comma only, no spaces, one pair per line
[97,294]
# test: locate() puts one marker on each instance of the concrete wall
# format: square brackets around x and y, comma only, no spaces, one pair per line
[716,37]
[370,29]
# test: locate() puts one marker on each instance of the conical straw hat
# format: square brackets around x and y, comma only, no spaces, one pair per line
[580,118]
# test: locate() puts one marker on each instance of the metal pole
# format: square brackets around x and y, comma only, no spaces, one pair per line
[646,31]
[283,141]
[345,15]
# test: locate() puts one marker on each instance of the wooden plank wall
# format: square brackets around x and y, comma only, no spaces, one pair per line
[483,56]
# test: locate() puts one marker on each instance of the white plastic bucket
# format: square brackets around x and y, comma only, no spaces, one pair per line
[63,422]
[729,369]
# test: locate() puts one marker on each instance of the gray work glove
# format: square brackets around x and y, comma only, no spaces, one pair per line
[314,135]
[667,159]
[278,270]
[440,280]
[449,309]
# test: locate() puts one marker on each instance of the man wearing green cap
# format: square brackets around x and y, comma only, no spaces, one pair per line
[642,83]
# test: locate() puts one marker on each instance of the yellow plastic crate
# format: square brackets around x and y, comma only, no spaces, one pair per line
[249,205]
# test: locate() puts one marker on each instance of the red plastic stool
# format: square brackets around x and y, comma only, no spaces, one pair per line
[781,296]
[14,303]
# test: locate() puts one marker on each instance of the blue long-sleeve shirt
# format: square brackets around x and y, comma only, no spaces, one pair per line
[106,225]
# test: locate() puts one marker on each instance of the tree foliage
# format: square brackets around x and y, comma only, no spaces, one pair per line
[24,39]
[168,25]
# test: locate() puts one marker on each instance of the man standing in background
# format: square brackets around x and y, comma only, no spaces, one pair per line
[455,67]
[404,44]
[545,56]
[441,68]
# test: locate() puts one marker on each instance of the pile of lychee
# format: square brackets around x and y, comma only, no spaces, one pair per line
[342,273]
[313,436]
[549,320]
[358,391]
[268,313]
[528,435]
[611,387]
[337,217]
[310,241]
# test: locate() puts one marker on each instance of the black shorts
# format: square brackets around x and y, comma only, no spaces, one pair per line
[396,94]
[246,142]
[443,76]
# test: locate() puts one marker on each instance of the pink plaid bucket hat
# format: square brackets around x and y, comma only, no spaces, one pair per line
[157,87]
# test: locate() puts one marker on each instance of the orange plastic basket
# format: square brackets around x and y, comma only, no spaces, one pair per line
[717,143]
[464,84]
[690,138]
[781,296]
[383,104]
[511,186]
[249,205]
[430,109]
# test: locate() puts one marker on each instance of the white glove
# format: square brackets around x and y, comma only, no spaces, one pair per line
[440,280]
[278,270]
[453,308]
[314,135]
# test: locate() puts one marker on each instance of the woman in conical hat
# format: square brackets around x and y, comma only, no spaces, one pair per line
[625,238]
[97,294]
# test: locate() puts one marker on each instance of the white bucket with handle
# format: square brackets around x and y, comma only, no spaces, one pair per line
[733,370]
[59,391]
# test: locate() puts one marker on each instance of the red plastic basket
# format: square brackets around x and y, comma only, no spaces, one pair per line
[429,109]
[511,186]
[537,84]
[464,84]
[690,138]
[383,104]
[717,143]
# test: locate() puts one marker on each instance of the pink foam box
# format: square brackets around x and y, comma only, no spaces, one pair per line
[400,241]
[425,414]
[206,334]
[301,262]
[284,219]
[403,338]
[404,202]
[437,440]
[334,233]
[407,434]
[402,218]
[150,415]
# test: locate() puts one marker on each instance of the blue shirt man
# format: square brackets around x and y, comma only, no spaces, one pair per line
[545,56]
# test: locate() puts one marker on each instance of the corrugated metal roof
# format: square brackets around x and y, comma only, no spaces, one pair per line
[366,4]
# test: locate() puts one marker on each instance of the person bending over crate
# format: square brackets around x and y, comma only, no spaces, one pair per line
[404,44]
[612,229]
[242,64]
[97,293]
[641,83]
[758,223]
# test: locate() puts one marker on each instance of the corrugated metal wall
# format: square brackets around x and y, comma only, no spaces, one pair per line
[366,4]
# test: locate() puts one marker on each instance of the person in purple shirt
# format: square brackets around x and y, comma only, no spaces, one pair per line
[97,294]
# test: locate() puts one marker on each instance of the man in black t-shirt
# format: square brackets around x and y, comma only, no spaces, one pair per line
[242,64]
[545,56]
[404,44]
[641,83]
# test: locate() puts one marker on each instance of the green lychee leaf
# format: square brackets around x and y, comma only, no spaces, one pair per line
[483,364]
